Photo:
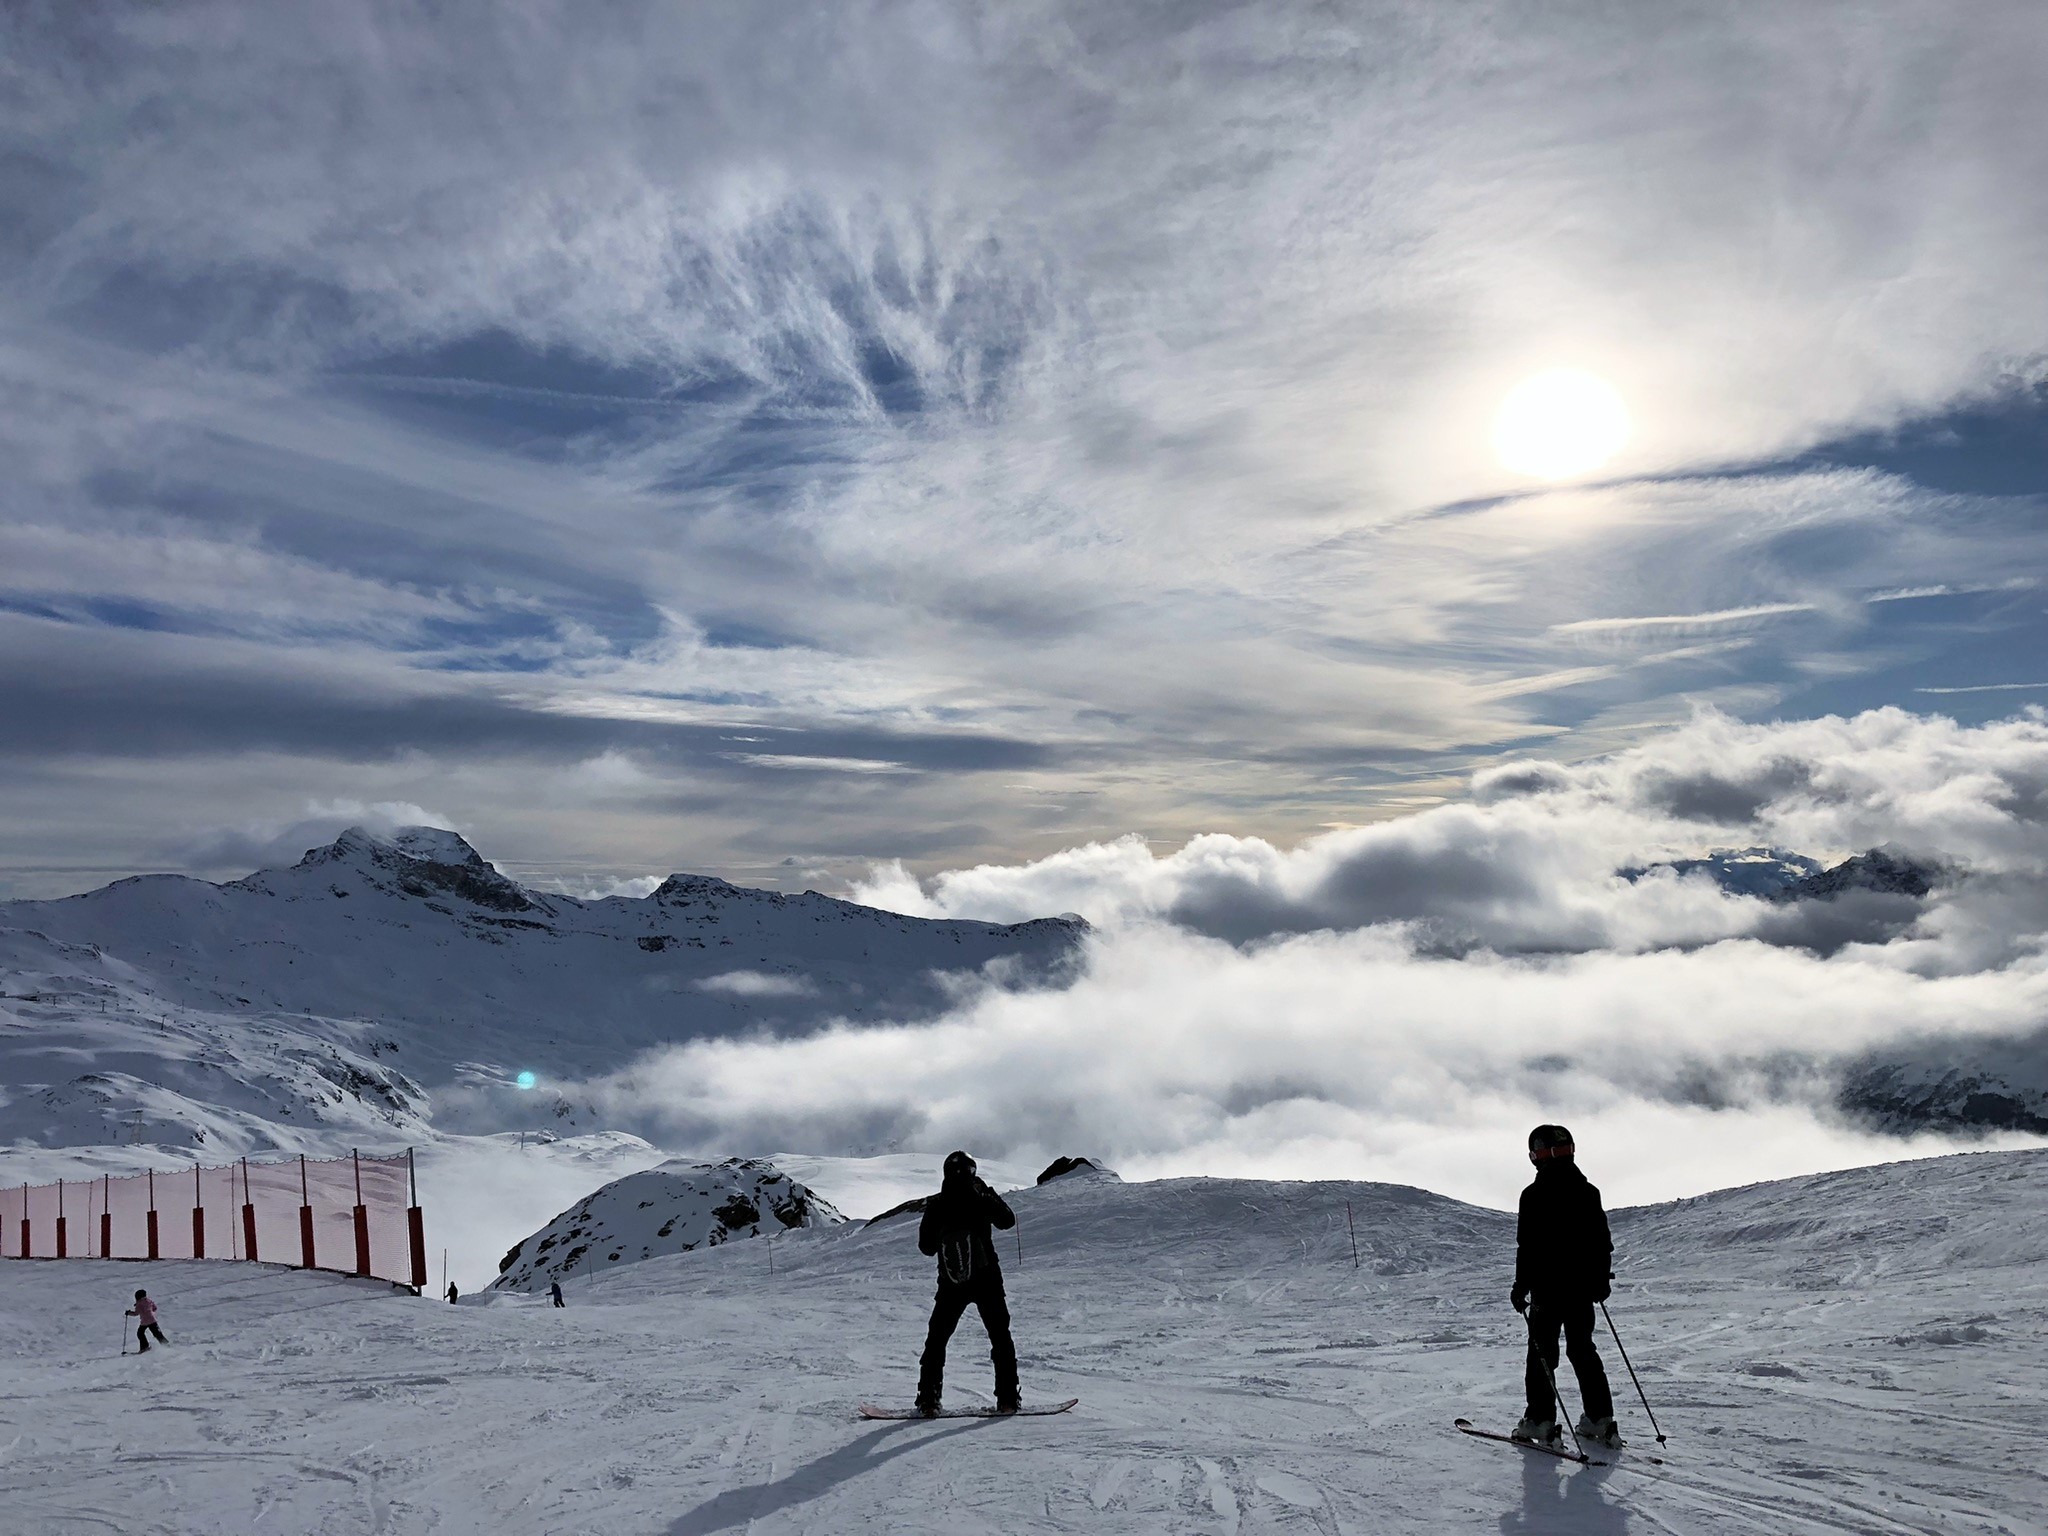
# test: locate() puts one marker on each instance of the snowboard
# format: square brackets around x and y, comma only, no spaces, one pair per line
[1033,1410]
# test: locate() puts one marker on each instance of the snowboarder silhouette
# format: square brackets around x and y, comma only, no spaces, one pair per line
[555,1293]
[956,1231]
[1563,1265]
[145,1310]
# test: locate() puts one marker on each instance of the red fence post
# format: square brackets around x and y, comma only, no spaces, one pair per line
[63,1247]
[362,1220]
[305,1219]
[106,1216]
[26,1248]
[416,1226]
[152,1214]
[198,1216]
[248,1217]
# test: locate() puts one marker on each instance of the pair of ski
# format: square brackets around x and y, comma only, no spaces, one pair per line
[1466,1426]
[1036,1410]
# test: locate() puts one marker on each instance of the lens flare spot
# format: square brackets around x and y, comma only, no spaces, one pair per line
[525,1080]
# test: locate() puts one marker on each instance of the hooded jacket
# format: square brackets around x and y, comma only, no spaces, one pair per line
[958,1219]
[1563,1251]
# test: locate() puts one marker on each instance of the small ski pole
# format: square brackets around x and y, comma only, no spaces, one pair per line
[1354,1233]
[1631,1372]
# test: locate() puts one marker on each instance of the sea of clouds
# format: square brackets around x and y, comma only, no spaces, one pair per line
[1403,1000]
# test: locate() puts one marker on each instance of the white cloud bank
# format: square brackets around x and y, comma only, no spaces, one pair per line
[1404,1000]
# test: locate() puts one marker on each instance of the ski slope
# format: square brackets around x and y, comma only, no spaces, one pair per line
[1863,1351]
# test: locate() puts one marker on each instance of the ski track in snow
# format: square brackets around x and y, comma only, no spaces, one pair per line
[1878,1366]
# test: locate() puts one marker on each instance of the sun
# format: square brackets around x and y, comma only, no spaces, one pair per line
[1561,423]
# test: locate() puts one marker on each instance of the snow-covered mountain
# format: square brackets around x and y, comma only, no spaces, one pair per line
[1882,871]
[1780,875]
[674,1208]
[1858,1351]
[338,993]
[1739,871]
[1965,1085]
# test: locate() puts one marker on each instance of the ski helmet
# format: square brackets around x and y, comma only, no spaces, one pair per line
[959,1166]
[1547,1142]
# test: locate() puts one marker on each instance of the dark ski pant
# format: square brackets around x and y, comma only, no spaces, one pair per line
[985,1292]
[1576,1319]
[142,1335]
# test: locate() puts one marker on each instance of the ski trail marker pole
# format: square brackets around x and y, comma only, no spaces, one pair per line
[1631,1372]
[1354,1233]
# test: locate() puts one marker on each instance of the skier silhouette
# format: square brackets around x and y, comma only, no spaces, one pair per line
[453,1294]
[555,1293]
[955,1230]
[1563,1265]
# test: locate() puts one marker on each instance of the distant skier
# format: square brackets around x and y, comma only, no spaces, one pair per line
[555,1293]
[453,1294]
[1564,1260]
[956,1231]
[145,1311]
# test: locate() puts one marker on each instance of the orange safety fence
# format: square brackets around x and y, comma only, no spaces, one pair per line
[359,1215]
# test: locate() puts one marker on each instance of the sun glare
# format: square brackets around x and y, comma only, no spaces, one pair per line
[1561,423]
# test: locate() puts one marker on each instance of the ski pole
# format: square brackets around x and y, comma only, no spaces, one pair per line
[1353,1229]
[1631,1372]
[1556,1401]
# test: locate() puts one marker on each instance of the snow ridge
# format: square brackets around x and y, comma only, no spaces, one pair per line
[675,1208]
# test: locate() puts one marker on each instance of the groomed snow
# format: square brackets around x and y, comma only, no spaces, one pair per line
[1864,1351]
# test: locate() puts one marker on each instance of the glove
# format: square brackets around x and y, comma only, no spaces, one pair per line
[1519,1299]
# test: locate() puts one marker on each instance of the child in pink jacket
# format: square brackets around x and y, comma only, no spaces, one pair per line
[145,1309]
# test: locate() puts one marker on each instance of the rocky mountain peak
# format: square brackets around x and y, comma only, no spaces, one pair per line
[423,861]
[677,889]
[435,845]
[1886,871]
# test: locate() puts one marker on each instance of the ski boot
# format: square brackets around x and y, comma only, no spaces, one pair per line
[1594,1431]
[1537,1431]
[927,1407]
[1009,1404]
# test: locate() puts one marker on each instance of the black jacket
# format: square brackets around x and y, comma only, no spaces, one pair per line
[1563,1252]
[956,1226]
